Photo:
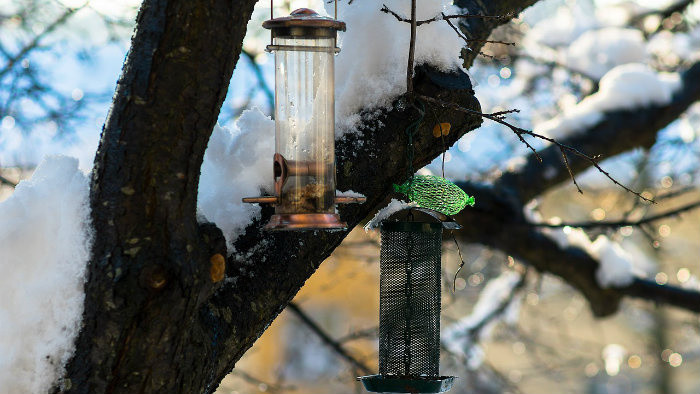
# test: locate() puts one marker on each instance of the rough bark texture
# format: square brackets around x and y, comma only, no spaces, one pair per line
[480,29]
[149,272]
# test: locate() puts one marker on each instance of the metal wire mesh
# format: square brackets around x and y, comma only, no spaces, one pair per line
[409,308]
[435,193]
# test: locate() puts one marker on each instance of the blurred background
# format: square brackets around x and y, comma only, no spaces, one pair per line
[59,63]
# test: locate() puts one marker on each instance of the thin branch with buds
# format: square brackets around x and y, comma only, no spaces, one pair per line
[442,16]
[499,117]
[447,18]
[37,39]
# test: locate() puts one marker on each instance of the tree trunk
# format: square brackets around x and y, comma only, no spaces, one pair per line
[149,271]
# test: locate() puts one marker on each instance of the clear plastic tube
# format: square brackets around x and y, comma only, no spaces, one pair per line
[304,123]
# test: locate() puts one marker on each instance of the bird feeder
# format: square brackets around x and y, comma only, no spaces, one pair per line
[409,307]
[304,44]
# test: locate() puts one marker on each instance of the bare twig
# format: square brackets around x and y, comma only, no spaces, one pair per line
[411,49]
[442,16]
[269,387]
[674,193]
[37,39]
[568,168]
[262,83]
[499,117]
[623,223]
[371,332]
[7,182]
[325,338]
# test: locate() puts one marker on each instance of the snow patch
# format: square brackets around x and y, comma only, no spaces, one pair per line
[615,264]
[371,67]
[596,52]
[349,193]
[45,241]
[237,164]
[384,213]
[559,30]
[458,338]
[624,87]
[617,267]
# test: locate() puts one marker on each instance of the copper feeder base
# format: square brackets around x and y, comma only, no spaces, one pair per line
[306,221]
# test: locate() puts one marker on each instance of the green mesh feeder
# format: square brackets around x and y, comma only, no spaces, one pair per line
[437,193]
[409,308]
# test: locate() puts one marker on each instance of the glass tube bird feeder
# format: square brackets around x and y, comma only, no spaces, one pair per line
[304,44]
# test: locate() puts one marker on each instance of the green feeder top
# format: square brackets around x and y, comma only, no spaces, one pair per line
[436,193]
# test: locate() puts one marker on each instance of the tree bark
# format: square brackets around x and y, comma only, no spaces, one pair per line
[149,272]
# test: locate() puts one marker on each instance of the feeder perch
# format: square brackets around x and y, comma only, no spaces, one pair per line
[304,44]
[409,308]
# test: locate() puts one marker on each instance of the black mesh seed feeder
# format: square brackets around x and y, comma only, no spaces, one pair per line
[409,305]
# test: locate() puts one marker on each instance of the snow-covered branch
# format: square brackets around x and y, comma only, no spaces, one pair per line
[601,271]
[615,131]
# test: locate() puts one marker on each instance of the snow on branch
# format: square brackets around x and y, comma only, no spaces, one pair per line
[627,86]
[370,73]
[499,117]
[384,213]
[499,300]
[236,165]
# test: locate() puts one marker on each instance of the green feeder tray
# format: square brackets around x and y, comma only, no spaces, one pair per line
[436,193]
[406,384]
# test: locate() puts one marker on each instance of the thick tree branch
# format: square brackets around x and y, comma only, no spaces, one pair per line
[676,7]
[618,132]
[498,221]
[477,29]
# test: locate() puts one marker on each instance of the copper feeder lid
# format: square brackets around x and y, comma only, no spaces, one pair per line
[304,17]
